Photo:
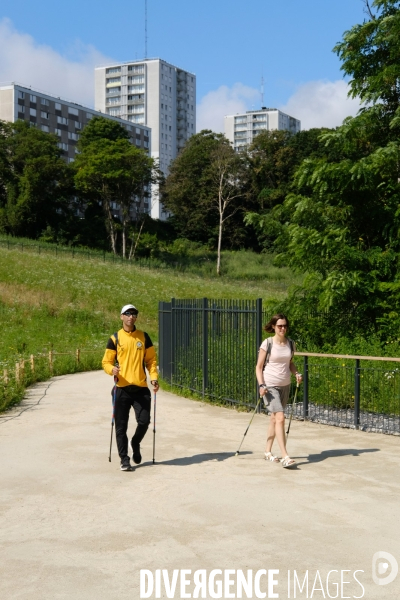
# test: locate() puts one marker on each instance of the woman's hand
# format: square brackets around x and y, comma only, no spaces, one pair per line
[262,389]
[299,378]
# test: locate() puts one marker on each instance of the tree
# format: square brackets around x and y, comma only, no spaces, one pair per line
[37,189]
[189,193]
[345,206]
[227,173]
[272,161]
[100,128]
[115,173]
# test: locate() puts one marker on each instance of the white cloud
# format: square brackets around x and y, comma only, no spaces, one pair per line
[315,103]
[25,61]
[224,101]
[321,104]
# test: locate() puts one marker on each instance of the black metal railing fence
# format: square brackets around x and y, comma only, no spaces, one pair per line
[210,348]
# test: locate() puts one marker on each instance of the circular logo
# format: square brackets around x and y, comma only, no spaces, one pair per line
[139,344]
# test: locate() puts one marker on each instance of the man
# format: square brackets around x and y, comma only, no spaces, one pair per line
[128,352]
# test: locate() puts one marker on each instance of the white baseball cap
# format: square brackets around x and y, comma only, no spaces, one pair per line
[128,307]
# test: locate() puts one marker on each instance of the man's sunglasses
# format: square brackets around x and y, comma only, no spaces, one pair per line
[130,313]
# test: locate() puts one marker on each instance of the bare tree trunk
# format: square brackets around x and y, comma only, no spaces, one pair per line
[133,248]
[111,228]
[221,223]
[124,236]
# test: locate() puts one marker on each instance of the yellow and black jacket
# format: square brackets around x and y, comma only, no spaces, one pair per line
[134,352]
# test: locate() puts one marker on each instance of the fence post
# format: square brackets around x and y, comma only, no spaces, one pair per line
[22,368]
[305,389]
[205,344]
[357,394]
[51,361]
[78,355]
[173,338]
[258,339]
[17,372]
[5,376]
[32,361]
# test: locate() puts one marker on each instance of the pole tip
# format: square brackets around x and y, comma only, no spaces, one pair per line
[236,453]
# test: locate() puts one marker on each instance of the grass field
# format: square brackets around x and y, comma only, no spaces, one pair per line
[63,303]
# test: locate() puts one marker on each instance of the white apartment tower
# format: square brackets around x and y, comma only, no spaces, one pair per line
[241,129]
[154,93]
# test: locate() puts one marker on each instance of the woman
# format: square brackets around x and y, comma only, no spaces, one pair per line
[273,370]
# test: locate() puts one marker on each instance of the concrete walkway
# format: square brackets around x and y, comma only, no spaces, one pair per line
[73,526]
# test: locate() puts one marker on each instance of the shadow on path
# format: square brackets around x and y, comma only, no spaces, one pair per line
[200,458]
[325,454]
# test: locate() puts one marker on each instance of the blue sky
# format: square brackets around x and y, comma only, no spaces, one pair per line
[229,45]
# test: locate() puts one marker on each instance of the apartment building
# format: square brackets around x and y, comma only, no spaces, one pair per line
[153,93]
[241,129]
[65,119]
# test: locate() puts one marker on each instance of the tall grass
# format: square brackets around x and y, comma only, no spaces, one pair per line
[64,303]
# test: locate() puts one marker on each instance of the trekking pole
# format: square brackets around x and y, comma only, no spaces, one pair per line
[248,426]
[112,419]
[154,429]
[291,412]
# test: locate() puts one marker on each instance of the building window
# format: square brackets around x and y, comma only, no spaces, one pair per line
[73,111]
[21,109]
[114,70]
[73,136]
[78,125]
[21,95]
[114,112]
[57,132]
[58,106]
[136,68]
[136,79]
[136,118]
[32,98]
[116,100]
[62,146]
[113,91]
[44,102]
[113,80]
[45,128]
[32,112]
[44,115]
[62,120]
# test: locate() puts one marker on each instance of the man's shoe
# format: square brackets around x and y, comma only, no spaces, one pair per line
[136,456]
[126,464]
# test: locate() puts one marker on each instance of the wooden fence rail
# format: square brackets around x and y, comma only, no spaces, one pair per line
[19,370]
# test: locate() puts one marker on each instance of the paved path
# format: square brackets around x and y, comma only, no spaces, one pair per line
[73,526]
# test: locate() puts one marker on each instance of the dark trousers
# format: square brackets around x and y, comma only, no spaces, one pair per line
[140,399]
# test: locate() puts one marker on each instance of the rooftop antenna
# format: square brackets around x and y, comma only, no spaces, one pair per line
[262,91]
[145,29]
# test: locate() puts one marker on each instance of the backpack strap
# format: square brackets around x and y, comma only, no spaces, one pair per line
[269,349]
[292,348]
[268,352]
[116,346]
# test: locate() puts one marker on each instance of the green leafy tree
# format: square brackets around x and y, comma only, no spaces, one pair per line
[36,189]
[190,194]
[272,160]
[345,206]
[115,173]
[100,128]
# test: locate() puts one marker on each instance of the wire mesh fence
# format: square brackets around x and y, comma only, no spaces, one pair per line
[210,347]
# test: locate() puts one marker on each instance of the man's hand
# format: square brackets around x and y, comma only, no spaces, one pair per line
[115,371]
[155,385]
